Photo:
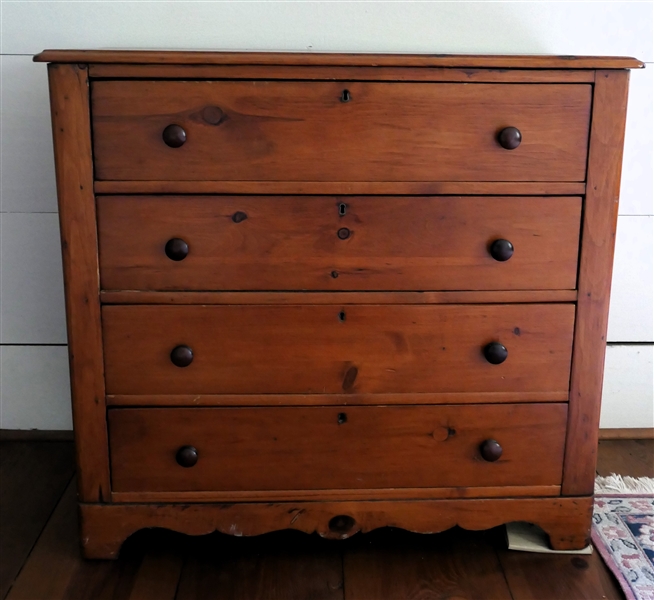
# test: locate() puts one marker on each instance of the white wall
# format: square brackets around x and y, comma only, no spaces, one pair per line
[34,390]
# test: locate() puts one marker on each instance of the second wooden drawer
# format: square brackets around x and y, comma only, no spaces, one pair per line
[338,243]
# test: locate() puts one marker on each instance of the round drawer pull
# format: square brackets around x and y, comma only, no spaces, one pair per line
[341,523]
[181,356]
[174,136]
[343,233]
[187,456]
[490,450]
[495,353]
[509,138]
[501,250]
[176,249]
[239,216]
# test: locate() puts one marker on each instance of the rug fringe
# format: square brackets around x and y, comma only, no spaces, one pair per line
[617,484]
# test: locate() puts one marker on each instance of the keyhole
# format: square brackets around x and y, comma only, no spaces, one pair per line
[346,96]
[342,209]
[341,316]
[341,418]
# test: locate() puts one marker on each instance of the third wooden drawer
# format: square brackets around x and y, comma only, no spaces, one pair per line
[331,349]
[338,243]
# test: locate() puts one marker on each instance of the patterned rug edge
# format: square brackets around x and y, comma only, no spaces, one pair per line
[611,565]
[618,491]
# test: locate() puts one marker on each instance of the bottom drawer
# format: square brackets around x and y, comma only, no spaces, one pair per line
[327,448]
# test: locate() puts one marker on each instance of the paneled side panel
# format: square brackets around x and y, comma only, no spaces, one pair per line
[69,97]
[596,264]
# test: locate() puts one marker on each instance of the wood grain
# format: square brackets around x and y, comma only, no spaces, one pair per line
[533,576]
[268,130]
[326,73]
[55,557]
[374,188]
[389,565]
[243,449]
[289,563]
[627,433]
[533,61]
[69,98]
[393,243]
[626,457]
[315,349]
[525,491]
[344,399]
[33,477]
[596,266]
[36,435]
[279,566]
[452,297]
[149,568]
[106,526]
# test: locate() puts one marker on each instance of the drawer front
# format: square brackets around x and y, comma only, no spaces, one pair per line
[335,349]
[304,131]
[335,448]
[338,243]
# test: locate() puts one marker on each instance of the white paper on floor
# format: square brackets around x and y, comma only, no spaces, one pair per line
[530,538]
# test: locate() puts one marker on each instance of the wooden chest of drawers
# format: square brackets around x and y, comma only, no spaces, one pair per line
[335,292]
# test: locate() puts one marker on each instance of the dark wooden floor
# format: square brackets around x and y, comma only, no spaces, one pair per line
[39,557]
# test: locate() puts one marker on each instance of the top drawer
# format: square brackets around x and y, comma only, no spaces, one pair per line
[338,131]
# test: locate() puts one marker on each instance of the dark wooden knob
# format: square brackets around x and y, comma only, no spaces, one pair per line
[341,523]
[501,250]
[509,138]
[187,456]
[176,249]
[174,136]
[495,353]
[181,356]
[490,450]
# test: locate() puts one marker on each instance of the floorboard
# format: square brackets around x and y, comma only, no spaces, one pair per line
[547,577]
[285,565]
[626,457]
[149,565]
[389,564]
[33,477]
[40,552]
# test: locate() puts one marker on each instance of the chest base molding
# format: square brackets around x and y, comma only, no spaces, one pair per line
[104,527]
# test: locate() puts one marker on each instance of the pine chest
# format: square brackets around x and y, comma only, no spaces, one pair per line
[335,292]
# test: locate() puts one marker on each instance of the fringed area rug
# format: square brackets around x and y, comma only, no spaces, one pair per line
[623,532]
